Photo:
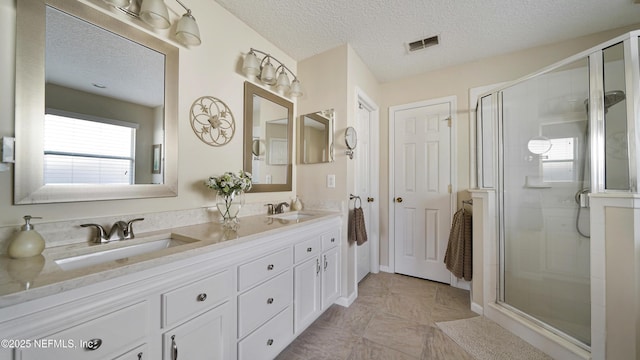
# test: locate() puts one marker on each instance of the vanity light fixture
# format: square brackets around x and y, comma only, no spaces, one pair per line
[270,75]
[156,15]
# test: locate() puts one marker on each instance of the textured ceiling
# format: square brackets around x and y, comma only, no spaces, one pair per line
[378,30]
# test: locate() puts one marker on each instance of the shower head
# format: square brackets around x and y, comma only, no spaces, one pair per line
[613,97]
[610,98]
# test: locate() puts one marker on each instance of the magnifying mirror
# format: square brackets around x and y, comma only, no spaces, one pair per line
[351,139]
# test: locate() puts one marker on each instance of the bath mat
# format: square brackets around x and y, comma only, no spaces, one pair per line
[486,340]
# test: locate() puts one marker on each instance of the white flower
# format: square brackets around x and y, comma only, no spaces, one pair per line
[230,183]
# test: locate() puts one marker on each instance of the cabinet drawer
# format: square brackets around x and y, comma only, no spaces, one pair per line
[196,297]
[268,340]
[330,240]
[307,249]
[258,305]
[109,335]
[263,268]
[139,353]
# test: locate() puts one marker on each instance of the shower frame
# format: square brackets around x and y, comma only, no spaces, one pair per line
[596,122]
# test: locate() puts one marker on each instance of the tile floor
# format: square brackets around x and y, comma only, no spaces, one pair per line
[393,318]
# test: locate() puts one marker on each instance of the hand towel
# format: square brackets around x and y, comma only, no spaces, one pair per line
[357,230]
[458,256]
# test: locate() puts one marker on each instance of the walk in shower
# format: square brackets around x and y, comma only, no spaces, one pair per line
[547,143]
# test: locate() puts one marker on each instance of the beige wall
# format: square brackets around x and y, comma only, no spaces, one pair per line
[332,79]
[212,69]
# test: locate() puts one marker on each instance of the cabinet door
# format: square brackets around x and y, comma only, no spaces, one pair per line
[206,337]
[330,277]
[306,299]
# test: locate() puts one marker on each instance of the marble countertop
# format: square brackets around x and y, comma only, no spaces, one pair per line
[31,278]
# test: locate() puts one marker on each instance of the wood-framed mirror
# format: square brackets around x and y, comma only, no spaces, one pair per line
[268,132]
[316,137]
[76,63]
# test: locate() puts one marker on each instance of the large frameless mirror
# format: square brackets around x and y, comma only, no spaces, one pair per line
[316,137]
[95,107]
[268,133]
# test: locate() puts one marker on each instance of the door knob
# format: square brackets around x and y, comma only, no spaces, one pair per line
[399,199]
[370,199]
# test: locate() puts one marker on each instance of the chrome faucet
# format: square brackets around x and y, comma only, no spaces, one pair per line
[270,210]
[279,208]
[120,230]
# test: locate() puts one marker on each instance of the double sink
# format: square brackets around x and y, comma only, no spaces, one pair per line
[146,245]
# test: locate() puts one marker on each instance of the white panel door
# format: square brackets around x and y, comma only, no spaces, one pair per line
[363,188]
[422,176]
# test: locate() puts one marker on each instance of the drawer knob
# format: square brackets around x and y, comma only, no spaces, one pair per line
[202,297]
[270,267]
[270,301]
[309,249]
[139,356]
[270,342]
[333,239]
[93,344]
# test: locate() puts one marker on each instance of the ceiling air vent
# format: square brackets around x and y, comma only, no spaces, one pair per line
[423,43]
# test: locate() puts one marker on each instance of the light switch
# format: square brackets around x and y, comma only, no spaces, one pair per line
[331,181]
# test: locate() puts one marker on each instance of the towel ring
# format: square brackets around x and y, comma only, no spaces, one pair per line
[355,200]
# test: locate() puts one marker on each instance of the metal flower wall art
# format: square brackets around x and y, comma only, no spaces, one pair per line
[212,121]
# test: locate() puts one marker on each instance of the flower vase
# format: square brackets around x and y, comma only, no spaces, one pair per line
[229,206]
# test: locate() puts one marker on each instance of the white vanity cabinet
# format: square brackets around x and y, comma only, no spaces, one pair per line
[246,300]
[316,277]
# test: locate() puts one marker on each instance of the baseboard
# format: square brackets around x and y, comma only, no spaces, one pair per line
[385,269]
[347,301]
[477,308]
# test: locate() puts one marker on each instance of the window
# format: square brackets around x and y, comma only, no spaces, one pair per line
[559,163]
[79,150]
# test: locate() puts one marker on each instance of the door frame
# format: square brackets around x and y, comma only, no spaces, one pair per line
[453,100]
[374,151]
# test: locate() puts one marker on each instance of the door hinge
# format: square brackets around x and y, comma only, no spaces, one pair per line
[450,189]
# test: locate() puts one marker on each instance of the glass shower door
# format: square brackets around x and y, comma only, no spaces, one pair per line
[544,157]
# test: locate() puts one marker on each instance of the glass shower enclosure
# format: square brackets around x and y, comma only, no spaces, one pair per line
[545,143]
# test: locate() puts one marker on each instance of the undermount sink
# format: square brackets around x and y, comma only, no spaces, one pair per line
[99,257]
[293,215]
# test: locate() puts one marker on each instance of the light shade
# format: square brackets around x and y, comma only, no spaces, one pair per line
[296,88]
[276,76]
[155,13]
[187,31]
[283,83]
[251,65]
[268,75]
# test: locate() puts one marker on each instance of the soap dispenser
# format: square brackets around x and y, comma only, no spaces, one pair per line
[27,242]
[296,205]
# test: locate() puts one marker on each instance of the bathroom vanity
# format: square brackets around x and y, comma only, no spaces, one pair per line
[214,294]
